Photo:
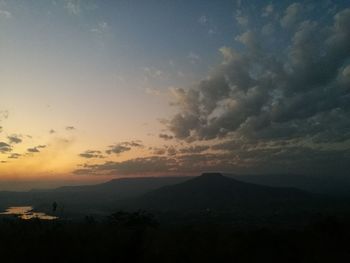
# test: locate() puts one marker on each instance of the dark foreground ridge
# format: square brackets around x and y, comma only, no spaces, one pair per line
[136,237]
[209,218]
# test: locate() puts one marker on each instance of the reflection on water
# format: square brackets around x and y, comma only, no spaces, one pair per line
[26,213]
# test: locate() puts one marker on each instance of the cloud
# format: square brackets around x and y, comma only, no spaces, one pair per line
[295,160]
[241,19]
[118,149]
[278,102]
[194,149]
[268,10]
[153,91]
[4,114]
[203,20]
[52,131]
[227,53]
[14,156]
[250,40]
[172,150]
[100,28]
[158,151]
[70,128]
[5,14]
[14,139]
[145,165]
[73,6]
[193,57]
[36,149]
[291,15]
[33,150]
[5,148]
[265,89]
[152,72]
[165,136]
[261,96]
[268,29]
[123,147]
[91,154]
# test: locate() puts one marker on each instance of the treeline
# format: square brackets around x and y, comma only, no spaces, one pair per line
[138,237]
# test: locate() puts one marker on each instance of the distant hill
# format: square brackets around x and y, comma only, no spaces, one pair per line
[123,187]
[331,185]
[87,198]
[213,191]
[210,191]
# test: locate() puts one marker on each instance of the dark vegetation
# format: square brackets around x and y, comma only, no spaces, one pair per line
[210,218]
[137,237]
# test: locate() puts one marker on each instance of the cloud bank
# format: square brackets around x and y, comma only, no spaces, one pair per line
[278,102]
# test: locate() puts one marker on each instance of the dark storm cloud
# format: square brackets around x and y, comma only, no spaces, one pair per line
[5,148]
[124,147]
[91,154]
[267,94]
[15,139]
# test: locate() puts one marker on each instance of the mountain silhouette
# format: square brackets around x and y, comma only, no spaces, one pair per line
[122,187]
[218,192]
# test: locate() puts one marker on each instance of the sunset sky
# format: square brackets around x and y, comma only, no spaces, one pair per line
[92,90]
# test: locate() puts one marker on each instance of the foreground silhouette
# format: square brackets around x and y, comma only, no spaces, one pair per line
[137,237]
[210,218]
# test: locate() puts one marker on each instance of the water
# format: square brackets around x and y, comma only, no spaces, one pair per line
[27,213]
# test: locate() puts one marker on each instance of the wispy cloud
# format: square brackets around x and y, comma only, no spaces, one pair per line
[292,15]
[165,136]
[91,154]
[123,147]
[203,20]
[5,14]
[193,57]
[73,6]
[100,28]
[5,148]
[14,156]
[15,139]
[36,149]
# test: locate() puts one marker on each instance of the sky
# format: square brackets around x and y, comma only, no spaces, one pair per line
[93,90]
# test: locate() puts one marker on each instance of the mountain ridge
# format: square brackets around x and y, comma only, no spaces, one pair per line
[215,191]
